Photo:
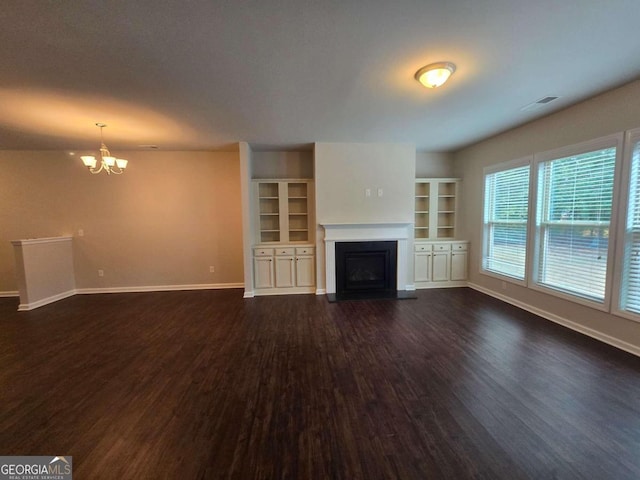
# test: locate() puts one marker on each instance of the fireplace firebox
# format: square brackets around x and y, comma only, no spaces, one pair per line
[366,269]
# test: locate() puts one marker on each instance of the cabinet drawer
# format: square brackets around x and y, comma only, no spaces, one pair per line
[459,246]
[422,247]
[441,247]
[284,250]
[262,252]
[305,250]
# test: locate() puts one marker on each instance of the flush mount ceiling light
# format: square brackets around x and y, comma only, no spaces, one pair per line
[436,74]
[108,163]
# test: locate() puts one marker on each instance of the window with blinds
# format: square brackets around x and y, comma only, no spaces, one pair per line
[630,288]
[575,196]
[506,201]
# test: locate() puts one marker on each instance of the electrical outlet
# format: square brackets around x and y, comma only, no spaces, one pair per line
[101,273]
[367,192]
[212,269]
[379,192]
[80,232]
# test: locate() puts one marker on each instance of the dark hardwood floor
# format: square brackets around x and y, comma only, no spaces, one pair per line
[204,384]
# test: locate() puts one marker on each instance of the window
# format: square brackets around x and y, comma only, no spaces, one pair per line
[630,288]
[506,200]
[573,214]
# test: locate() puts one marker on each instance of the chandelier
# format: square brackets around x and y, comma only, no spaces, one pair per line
[108,163]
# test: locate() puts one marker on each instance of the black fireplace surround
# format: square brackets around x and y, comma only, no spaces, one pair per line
[366,269]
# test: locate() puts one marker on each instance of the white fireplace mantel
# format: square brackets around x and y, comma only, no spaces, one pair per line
[364,232]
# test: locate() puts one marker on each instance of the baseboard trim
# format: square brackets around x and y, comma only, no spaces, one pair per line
[25,307]
[321,291]
[9,293]
[609,340]
[283,291]
[449,284]
[159,288]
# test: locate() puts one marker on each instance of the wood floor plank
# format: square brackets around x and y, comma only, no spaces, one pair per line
[205,384]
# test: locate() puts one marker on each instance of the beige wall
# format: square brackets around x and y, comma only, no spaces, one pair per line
[614,111]
[164,222]
[434,165]
[282,164]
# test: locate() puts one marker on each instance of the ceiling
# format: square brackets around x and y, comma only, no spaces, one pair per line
[204,74]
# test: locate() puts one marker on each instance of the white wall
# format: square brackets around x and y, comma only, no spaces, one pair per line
[245,153]
[611,112]
[44,270]
[343,171]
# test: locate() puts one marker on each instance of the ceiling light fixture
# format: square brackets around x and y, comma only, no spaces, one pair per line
[436,74]
[108,163]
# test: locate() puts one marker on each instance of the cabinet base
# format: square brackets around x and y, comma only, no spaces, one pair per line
[284,291]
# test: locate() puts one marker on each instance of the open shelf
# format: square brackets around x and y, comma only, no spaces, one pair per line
[283,214]
[435,208]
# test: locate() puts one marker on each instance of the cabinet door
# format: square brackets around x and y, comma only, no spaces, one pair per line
[305,271]
[263,272]
[284,271]
[440,271]
[422,266]
[459,266]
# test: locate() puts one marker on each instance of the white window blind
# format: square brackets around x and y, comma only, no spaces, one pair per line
[506,203]
[575,196]
[630,289]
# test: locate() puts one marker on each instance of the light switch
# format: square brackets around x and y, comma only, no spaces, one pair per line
[379,192]
[367,192]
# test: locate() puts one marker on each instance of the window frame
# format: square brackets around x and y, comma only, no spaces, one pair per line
[501,167]
[609,141]
[631,137]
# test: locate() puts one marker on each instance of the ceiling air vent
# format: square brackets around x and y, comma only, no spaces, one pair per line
[539,103]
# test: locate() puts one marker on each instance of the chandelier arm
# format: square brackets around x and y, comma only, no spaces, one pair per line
[94,171]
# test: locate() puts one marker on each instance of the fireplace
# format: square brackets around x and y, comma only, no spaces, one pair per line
[396,233]
[366,269]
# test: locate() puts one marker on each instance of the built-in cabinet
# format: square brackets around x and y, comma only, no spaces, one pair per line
[283,253]
[440,263]
[439,259]
[284,269]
